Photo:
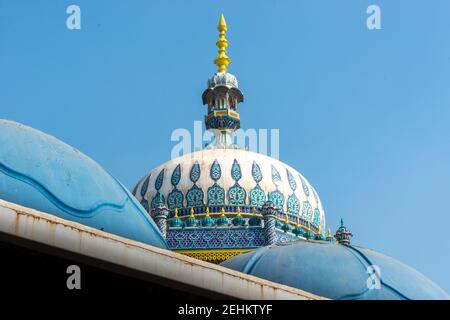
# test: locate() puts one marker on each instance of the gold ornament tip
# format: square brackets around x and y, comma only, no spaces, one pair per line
[222,23]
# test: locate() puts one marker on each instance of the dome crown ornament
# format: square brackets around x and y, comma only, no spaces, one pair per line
[222,97]
[222,61]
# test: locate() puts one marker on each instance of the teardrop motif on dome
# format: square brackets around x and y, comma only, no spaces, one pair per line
[276,178]
[277,198]
[256,172]
[307,211]
[236,195]
[175,199]
[194,197]
[316,217]
[144,187]
[194,175]
[304,186]
[159,180]
[144,203]
[236,173]
[257,197]
[293,205]
[216,172]
[216,195]
[135,190]
[176,175]
[291,180]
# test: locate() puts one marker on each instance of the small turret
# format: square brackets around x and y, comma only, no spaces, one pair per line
[343,235]
[329,236]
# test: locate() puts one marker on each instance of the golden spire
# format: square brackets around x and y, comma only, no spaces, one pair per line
[176,212]
[222,212]
[207,211]
[192,213]
[222,61]
[329,233]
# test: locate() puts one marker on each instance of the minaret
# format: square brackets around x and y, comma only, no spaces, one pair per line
[222,96]
[160,214]
[343,235]
[269,213]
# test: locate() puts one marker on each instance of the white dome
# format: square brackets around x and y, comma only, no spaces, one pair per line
[230,177]
[222,79]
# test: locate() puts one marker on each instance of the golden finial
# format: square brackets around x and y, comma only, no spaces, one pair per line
[176,212]
[254,211]
[298,221]
[287,218]
[223,212]
[309,226]
[329,233]
[222,61]
[192,212]
[207,211]
[238,211]
[319,230]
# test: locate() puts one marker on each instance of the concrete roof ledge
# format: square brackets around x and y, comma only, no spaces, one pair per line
[46,229]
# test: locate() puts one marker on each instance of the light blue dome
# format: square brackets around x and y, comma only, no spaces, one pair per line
[43,173]
[336,271]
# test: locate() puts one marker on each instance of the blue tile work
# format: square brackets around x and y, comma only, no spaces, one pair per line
[282,237]
[304,186]
[316,217]
[215,238]
[216,171]
[216,195]
[287,189]
[195,195]
[175,197]
[236,194]
[293,204]
[257,195]
[194,175]
[159,197]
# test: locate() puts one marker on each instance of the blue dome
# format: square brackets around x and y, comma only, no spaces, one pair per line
[43,173]
[336,271]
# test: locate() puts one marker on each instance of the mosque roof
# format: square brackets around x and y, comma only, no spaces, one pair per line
[41,172]
[337,271]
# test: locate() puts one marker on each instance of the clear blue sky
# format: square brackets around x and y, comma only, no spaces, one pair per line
[364,115]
